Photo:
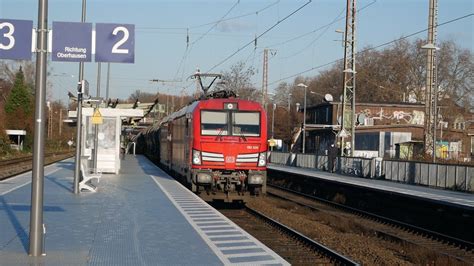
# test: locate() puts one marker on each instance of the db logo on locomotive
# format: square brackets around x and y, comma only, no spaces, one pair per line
[230,159]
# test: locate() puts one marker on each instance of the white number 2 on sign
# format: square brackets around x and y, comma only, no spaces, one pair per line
[116,48]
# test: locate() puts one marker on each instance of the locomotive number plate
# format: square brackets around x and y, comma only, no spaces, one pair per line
[230,159]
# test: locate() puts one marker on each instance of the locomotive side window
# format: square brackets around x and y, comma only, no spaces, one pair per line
[214,123]
[246,124]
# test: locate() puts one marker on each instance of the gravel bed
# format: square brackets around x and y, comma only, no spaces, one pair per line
[346,233]
[11,170]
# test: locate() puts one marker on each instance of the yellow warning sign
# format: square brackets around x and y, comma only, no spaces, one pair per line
[97,117]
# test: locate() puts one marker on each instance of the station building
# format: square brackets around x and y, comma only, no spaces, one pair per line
[389,130]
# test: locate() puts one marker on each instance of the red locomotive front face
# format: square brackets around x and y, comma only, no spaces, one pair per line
[229,147]
[231,135]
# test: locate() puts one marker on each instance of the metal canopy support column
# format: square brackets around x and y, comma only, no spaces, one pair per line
[77,166]
[349,82]
[37,183]
[96,126]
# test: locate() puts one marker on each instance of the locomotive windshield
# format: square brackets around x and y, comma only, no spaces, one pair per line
[230,123]
[214,123]
[246,124]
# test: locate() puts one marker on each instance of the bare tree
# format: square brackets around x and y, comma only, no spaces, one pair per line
[238,79]
[144,97]
[456,74]
[398,73]
[394,74]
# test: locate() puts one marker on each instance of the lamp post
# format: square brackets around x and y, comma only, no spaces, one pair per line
[273,124]
[301,85]
[342,36]
[273,120]
[289,101]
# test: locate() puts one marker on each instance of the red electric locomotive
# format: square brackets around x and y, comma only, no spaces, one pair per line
[218,147]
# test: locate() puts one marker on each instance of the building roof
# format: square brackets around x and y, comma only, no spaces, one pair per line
[15,132]
[381,104]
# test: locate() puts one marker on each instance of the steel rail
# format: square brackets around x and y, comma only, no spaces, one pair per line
[337,258]
[8,163]
[27,158]
[442,237]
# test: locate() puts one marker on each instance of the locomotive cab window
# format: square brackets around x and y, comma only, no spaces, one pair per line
[246,124]
[214,123]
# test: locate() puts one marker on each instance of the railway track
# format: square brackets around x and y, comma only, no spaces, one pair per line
[291,245]
[12,167]
[457,249]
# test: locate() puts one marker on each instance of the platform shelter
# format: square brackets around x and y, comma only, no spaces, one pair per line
[109,136]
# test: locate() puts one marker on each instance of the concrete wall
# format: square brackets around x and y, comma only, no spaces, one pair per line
[454,177]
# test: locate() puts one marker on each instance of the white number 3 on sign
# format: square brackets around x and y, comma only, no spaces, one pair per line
[9,36]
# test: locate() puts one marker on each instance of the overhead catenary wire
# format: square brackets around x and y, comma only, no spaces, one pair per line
[319,28]
[325,28]
[189,47]
[238,16]
[212,22]
[369,48]
[202,35]
[260,35]
[216,23]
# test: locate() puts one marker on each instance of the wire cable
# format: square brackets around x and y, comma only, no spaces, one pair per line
[238,16]
[371,48]
[216,23]
[326,27]
[318,29]
[263,33]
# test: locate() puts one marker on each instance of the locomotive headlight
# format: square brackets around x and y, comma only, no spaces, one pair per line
[262,159]
[196,157]
[255,179]
[204,178]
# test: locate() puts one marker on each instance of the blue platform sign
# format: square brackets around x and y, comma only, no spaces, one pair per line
[72,42]
[15,39]
[115,43]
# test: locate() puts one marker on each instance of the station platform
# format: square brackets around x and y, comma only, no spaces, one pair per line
[446,197]
[138,217]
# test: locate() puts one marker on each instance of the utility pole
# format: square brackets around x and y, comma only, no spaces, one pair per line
[430,88]
[198,85]
[349,73]
[265,77]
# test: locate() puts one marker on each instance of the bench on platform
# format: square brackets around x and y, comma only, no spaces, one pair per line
[87,177]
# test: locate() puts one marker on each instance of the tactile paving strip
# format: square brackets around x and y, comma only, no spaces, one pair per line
[231,244]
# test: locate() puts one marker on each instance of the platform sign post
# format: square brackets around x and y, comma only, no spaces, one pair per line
[16,39]
[37,181]
[80,90]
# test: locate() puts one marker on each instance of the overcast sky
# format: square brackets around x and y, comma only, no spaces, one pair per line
[217,29]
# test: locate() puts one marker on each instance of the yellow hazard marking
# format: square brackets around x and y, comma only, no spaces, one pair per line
[97,117]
